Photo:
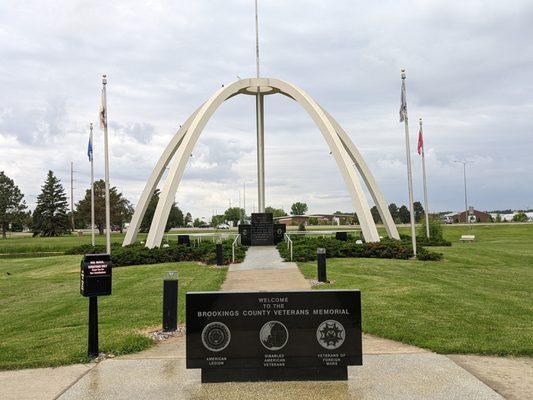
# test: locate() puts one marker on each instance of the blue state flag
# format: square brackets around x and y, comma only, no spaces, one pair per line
[90,148]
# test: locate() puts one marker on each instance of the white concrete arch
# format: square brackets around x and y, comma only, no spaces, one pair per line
[180,148]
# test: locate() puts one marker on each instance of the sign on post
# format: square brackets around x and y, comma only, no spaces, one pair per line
[95,276]
[252,336]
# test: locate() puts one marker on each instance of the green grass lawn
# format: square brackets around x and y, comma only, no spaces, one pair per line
[44,317]
[29,244]
[479,299]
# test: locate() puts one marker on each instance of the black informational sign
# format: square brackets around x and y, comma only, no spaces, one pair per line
[262,229]
[305,335]
[95,276]
[184,239]
[245,230]
[279,232]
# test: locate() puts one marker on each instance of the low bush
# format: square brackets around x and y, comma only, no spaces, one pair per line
[137,254]
[435,234]
[304,249]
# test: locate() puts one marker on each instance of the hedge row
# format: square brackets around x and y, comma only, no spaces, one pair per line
[304,249]
[137,254]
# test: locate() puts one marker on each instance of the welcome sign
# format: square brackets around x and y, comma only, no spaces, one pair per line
[303,335]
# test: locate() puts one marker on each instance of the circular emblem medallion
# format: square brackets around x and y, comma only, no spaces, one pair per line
[330,334]
[273,335]
[216,336]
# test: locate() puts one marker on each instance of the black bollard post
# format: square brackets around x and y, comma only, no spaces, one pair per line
[220,255]
[321,264]
[170,302]
[92,346]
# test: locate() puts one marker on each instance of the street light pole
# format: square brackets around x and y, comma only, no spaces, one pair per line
[466,196]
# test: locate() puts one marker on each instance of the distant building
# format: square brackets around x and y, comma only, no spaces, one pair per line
[508,217]
[322,219]
[473,216]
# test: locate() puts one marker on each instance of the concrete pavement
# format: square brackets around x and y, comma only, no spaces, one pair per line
[391,370]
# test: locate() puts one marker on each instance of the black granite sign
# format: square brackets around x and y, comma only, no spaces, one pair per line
[279,232]
[262,229]
[95,275]
[247,336]
[245,230]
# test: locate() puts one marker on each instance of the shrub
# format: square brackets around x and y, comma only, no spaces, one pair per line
[304,249]
[435,234]
[137,254]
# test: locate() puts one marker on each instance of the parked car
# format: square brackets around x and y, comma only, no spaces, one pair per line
[223,226]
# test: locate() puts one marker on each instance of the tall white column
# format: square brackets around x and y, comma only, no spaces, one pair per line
[409,173]
[260,152]
[426,205]
[106,159]
[92,187]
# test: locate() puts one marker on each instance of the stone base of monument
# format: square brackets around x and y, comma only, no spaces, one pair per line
[274,336]
[278,374]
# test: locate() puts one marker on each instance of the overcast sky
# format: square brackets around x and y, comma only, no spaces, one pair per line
[470,76]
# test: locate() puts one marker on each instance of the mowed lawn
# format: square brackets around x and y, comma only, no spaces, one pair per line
[43,317]
[28,244]
[479,299]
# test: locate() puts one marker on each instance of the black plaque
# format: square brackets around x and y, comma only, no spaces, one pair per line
[184,239]
[341,236]
[262,229]
[245,230]
[95,275]
[279,232]
[249,336]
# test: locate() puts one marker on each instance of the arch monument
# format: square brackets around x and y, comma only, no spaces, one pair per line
[176,155]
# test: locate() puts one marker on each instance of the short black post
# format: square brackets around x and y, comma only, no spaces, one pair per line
[170,304]
[92,348]
[220,255]
[321,264]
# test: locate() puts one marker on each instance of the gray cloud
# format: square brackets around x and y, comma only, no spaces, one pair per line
[470,75]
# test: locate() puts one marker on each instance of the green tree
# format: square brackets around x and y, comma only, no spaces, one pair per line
[276,212]
[175,217]
[234,214]
[394,212]
[298,208]
[375,215]
[120,209]
[520,217]
[498,218]
[216,220]
[435,228]
[313,221]
[404,215]
[50,217]
[198,223]
[12,203]
[188,219]
[419,211]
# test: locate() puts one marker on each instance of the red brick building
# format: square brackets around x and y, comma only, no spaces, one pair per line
[479,216]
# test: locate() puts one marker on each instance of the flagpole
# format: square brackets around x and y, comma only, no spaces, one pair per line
[106,158]
[260,127]
[408,156]
[92,185]
[426,206]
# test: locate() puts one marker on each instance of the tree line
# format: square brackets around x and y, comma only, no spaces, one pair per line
[51,216]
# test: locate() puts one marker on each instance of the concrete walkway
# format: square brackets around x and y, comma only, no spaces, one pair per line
[391,370]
